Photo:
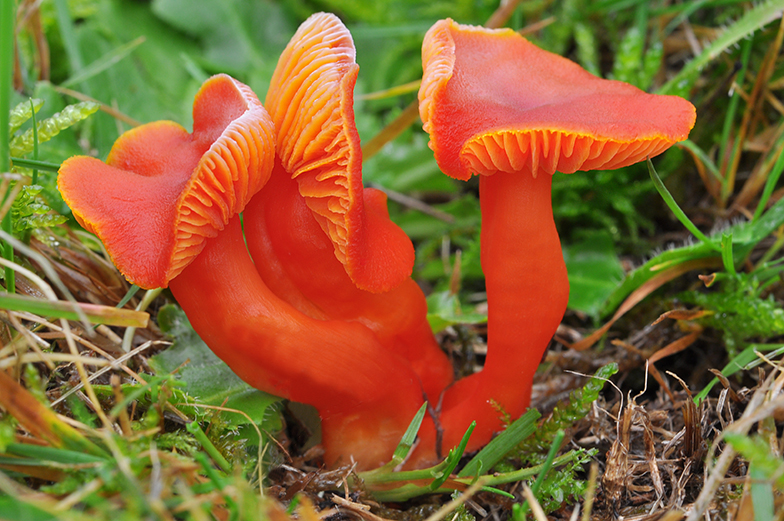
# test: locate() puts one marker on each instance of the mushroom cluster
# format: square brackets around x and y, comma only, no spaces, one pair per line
[309,296]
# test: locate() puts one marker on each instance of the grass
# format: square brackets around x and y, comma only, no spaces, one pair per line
[108,415]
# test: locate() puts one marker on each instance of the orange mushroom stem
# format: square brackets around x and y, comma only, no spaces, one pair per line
[498,106]
[166,207]
[315,217]
[365,395]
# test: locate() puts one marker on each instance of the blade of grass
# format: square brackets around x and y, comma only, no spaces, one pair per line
[7,37]
[546,466]
[403,448]
[729,118]
[34,179]
[675,209]
[95,313]
[499,446]
[40,165]
[391,92]
[207,445]
[65,23]
[453,459]
[41,421]
[103,63]
[746,359]
[770,185]
[52,454]
[750,22]
[7,17]
[726,253]
[128,296]
[48,269]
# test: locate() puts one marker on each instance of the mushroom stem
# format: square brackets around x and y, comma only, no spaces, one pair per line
[527,292]
[289,250]
[366,396]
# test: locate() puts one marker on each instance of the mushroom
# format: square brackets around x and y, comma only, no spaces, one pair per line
[498,106]
[314,216]
[166,190]
[166,207]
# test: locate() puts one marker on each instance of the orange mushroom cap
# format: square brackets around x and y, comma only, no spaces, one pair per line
[311,102]
[494,102]
[162,191]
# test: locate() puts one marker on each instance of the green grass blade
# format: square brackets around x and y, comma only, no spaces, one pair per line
[109,315]
[453,459]
[705,158]
[7,17]
[34,180]
[729,118]
[770,183]
[744,360]
[12,509]
[754,19]
[65,23]
[726,253]
[52,454]
[40,165]
[675,209]
[494,451]
[546,466]
[103,63]
[403,448]
[217,457]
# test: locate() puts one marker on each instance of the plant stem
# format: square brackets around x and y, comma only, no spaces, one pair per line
[34,179]
[7,37]
[40,165]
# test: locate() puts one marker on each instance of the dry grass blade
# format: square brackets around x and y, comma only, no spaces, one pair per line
[590,491]
[452,505]
[643,291]
[39,420]
[756,410]
[416,204]
[536,508]
[396,127]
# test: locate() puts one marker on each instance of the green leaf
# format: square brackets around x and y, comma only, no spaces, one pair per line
[444,310]
[12,509]
[237,37]
[594,272]
[205,376]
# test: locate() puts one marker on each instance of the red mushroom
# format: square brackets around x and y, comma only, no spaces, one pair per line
[314,214]
[166,195]
[497,106]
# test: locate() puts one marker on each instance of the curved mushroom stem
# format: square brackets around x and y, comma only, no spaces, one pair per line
[527,292]
[289,247]
[365,395]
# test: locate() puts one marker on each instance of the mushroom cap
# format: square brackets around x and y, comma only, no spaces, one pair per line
[311,101]
[162,191]
[492,101]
